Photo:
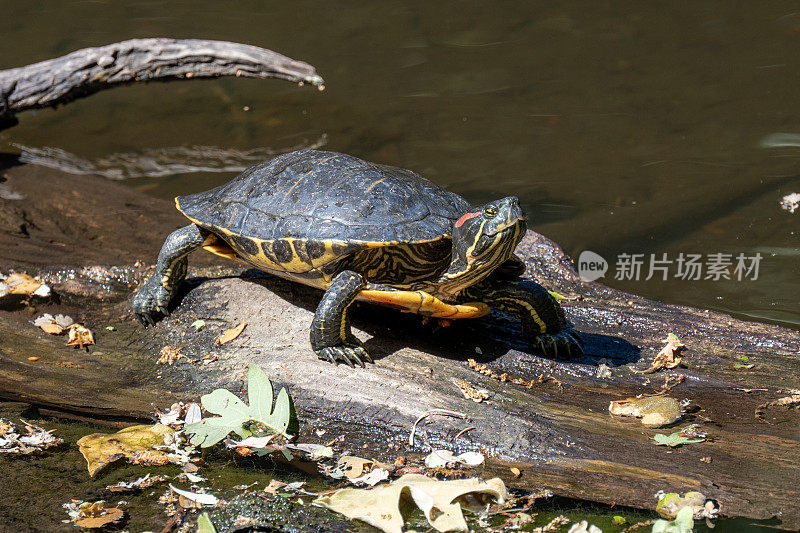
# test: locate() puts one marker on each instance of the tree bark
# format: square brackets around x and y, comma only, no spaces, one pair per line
[89,70]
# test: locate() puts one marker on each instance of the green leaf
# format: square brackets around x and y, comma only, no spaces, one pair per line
[674,439]
[240,418]
[204,524]
[259,393]
[683,523]
[224,401]
[198,324]
[556,295]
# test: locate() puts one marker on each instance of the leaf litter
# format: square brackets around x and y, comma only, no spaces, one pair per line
[33,439]
[78,334]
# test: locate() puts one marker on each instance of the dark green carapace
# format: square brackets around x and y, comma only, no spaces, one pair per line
[358,230]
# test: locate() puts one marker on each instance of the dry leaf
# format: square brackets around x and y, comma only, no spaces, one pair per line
[52,329]
[669,356]
[441,501]
[229,334]
[100,517]
[55,325]
[516,471]
[101,449]
[25,285]
[200,498]
[274,486]
[79,336]
[354,467]
[168,355]
[34,358]
[655,411]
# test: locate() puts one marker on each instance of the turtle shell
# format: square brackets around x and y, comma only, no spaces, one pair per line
[327,197]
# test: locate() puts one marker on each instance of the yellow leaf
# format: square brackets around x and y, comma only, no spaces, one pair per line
[229,334]
[101,449]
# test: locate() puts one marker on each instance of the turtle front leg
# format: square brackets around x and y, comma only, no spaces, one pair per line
[543,322]
[331,338]
[156,293]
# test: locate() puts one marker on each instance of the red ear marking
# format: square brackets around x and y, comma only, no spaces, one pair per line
[464,218]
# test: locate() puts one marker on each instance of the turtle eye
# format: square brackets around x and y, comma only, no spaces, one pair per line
[490,212]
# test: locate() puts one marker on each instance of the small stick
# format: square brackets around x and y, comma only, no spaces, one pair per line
[464,431]
[443,412]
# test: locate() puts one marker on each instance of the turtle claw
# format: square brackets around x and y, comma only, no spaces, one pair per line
[562,343]
[350,354]
[163,310]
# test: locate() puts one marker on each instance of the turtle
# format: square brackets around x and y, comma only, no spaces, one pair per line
[363,231]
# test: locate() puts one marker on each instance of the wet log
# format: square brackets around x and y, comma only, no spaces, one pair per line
[89,70]
[556,430]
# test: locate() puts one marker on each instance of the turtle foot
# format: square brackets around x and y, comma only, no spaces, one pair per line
[351,354]
[566,344]
[151,302]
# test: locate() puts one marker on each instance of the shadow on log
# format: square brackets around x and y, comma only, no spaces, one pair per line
[562,439]
[89,70]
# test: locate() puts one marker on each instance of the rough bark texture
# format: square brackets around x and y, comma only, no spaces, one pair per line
[563,440]
[86,71]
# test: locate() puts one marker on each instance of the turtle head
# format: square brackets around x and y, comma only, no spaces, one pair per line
[482,241]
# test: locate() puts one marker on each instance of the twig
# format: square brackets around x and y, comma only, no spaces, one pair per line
[443,412]
[464,431]
[89,70]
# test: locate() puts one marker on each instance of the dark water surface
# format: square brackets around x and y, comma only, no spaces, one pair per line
[623,127]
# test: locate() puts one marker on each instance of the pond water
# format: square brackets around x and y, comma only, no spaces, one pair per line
[624,128]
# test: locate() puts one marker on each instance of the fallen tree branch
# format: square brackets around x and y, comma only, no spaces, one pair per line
[89,70]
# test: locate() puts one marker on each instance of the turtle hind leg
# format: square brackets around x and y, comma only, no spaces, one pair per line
[543,322]
[156,293]
[331,338]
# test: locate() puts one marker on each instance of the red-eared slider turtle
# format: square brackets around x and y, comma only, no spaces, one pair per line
[359,230]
